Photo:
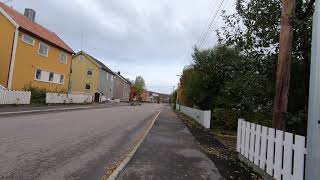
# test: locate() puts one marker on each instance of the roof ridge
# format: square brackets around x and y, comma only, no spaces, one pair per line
[100,63]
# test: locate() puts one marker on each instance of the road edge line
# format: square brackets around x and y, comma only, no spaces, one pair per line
[124,163]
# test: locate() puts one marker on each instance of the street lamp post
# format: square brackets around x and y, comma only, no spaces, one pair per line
[313,138]
[177,100]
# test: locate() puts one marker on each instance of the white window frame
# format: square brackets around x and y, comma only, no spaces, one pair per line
[47,81]
[85,87]
[66,55]
[23,40]
[91,72]
[52,77]
[41,43]
[81,57]
[35,75]
[62,79]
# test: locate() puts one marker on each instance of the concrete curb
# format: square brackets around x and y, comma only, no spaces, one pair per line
[17,113]
[123,164]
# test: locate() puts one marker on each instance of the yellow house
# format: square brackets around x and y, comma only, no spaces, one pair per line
[85,75]
[91,77]
[31,54]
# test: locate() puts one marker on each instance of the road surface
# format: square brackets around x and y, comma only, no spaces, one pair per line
[69,145]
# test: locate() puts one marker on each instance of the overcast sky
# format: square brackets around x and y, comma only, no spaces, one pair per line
[152,38]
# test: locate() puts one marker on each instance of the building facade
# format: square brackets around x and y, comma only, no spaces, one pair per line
[31,55]
[121,88]
[91,77]
[144,97]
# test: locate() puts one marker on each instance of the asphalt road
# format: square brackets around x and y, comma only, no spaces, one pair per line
[69,145]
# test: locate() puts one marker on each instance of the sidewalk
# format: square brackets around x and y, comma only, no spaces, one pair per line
[26,109]
[169,152]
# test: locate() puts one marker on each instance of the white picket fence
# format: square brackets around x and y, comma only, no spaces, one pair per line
[14,97]
[280,154]
[2,87]
[56,98]
[178,107]
[202,117]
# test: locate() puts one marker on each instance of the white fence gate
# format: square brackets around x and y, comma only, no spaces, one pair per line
[56,98]
[14,97]
[280,154]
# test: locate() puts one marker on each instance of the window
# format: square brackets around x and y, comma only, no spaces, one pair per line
[63,58]
[28,39]
[89,72]
[88,86]
[51,77]
[43,49]
[38,74]
[61,79]
[81,57]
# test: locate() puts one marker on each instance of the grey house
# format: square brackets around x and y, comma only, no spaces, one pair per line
[121,88]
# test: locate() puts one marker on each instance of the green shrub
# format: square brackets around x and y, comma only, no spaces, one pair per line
[38,95]
[227,119]
[297,122]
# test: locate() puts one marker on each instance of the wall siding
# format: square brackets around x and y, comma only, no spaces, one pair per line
[7,31]
[28,60]
[103,82]
[79,76]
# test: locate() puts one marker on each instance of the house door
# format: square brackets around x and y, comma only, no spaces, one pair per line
[97,97]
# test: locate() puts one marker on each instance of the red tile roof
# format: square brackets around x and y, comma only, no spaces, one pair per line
[35,28]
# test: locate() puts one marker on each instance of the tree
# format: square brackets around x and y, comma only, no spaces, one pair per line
[139,85]
[254,30]
[228,83]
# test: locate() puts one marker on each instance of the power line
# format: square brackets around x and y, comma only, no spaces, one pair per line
[209,17]
[209,28]
[206,27]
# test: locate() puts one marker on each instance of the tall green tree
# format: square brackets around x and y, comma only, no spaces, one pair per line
[228,83]
[139,85]
[254,30]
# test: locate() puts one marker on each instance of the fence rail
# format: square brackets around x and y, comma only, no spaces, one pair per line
[56,98]
[2,87]
[280,154]
[202,117]
[14,97]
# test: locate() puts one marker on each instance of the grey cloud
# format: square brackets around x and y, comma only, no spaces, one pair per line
[138,37]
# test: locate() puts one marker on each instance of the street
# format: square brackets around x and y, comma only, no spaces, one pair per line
[69,145]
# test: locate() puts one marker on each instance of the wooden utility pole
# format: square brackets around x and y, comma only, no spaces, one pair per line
[284,64]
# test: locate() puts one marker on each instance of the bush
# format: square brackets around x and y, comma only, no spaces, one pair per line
[227,119]
[38,95]
[297,122]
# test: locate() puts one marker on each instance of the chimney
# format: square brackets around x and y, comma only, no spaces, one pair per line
[30,14]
